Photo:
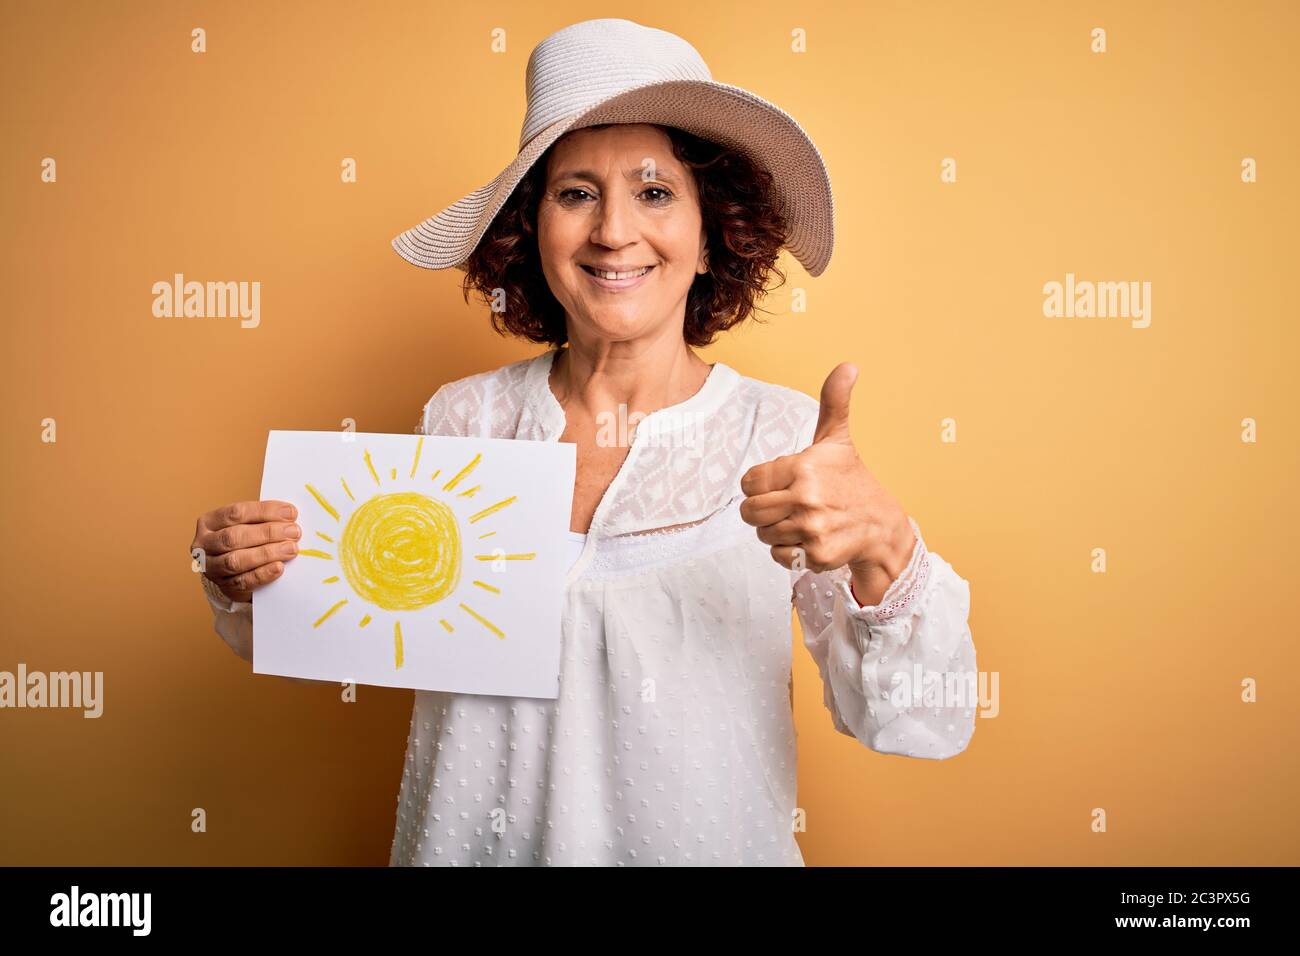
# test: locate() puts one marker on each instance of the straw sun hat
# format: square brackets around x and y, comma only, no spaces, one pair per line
[617,71]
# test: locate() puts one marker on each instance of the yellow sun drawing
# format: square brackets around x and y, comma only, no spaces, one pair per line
[402,551]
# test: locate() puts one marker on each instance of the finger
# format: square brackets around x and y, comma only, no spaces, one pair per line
[238,536]
[246,559]
[767,508]
[833,413]
[774,475]
[244,584]
[783,532]
[787,555]
[248,512]
[784,555]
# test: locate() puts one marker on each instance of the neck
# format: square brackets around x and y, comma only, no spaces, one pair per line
[592,377]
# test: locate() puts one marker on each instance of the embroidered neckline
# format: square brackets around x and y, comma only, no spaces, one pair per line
[721,381]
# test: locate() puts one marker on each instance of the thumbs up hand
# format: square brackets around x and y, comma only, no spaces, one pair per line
[821,508]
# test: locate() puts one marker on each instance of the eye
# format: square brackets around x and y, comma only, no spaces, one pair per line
[574,193]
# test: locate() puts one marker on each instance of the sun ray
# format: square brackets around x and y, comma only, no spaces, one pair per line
[321,619]
[397,642]
[492,509]
[488,587]
[434,476]
[321,534]
[463,472]
[313,553]
[332,580]
[371,465]
[394,473]
[443,622]
[487,534]
[364,621]
[528,556]
[323,503]
[415,464]
[469,493]
[484,621]
[344,482]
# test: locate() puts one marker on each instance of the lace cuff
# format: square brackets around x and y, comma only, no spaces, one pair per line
[901,594]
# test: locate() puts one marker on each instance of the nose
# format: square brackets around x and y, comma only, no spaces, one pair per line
[615,221]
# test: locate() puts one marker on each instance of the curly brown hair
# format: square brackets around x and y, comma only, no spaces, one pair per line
[743,227]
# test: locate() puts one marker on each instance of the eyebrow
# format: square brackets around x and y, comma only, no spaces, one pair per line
[630,175]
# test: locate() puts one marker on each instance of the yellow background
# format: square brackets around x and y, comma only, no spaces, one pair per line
[1118,690]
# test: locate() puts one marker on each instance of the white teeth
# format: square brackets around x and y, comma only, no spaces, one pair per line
[620,275]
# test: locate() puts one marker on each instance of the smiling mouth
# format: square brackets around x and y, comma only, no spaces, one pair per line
[613,276]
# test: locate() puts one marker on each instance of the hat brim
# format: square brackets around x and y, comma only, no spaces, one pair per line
[727,115]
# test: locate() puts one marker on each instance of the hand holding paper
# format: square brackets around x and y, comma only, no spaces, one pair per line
[244,545]
[428,562]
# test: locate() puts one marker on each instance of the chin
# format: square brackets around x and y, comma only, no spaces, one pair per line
[616,327]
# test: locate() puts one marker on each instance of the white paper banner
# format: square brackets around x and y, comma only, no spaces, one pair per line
[427,562]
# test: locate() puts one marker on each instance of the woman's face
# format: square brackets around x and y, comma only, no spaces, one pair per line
[617,199]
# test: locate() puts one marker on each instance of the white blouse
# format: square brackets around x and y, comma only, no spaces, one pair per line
[673,740]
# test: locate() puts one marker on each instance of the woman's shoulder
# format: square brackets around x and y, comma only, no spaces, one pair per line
[774,395]
[452,407]
[780,411]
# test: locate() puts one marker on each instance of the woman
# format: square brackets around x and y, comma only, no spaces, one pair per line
[704,503]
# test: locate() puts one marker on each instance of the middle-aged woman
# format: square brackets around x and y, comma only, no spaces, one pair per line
[646,209]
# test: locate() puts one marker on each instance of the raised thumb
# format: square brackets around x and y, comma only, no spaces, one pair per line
[833,416]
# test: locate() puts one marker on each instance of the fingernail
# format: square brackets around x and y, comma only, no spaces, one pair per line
[294,531]
[289,511]
[290,548]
